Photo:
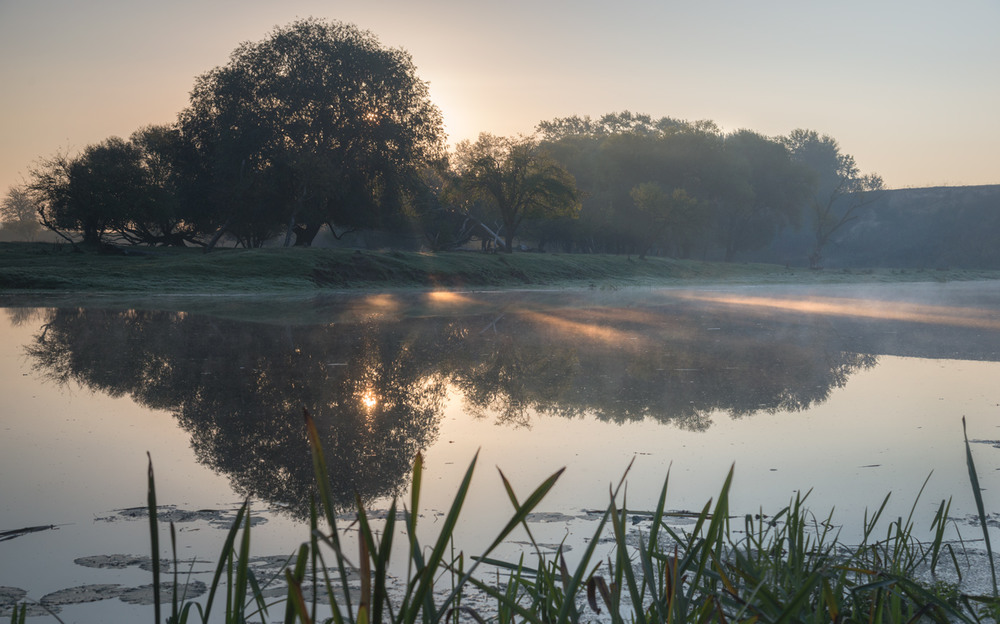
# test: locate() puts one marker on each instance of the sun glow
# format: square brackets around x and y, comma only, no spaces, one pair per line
[592,331]
[864,308]
[369,400]
[447,297]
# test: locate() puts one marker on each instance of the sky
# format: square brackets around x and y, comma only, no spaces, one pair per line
[910,88]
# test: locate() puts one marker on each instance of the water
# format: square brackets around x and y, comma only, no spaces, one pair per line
[850,393]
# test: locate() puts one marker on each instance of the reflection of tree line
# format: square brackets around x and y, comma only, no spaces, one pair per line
[377,387]
[673,368]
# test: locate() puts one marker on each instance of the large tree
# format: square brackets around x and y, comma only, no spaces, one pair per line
[19,214]
[611,156]
[765,193]
[841,190]
[317,124]
[161,216]
[660,211]
[92,193]
[518,178]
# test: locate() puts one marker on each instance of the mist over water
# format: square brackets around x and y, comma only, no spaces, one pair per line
[853,392]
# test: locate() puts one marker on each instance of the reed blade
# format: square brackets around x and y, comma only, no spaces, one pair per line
[154,536]
[978,494]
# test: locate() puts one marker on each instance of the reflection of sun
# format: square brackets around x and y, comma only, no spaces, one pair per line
[368,399]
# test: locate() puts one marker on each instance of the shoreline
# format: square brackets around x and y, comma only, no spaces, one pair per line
[36,270]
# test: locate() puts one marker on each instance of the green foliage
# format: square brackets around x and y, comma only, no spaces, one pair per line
[764,197]
[117,191]
[91,193]
[518,179]
[661,212]
[789,567]
[611,157]
[316,124]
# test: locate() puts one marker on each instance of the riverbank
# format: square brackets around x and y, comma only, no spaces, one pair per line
[48,268]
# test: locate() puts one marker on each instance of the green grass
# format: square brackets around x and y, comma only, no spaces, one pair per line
[788,567]
[56,268]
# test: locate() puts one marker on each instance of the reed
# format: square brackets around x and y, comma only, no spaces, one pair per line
[787,567]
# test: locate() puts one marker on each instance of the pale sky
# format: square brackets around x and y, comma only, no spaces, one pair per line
[910,88]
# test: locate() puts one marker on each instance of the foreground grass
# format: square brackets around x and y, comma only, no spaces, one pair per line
[46,267]
[785,568]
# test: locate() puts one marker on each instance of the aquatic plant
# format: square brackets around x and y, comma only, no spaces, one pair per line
[782,568]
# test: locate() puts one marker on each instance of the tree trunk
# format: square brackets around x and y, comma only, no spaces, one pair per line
[304,236]
[91,237]
[289,230]
[218,235]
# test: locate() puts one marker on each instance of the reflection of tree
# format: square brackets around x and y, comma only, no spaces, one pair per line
[376,386]
[239,388]
[511,378]
[20,316]
[672,366]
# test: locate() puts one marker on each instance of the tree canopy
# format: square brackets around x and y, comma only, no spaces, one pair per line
[841,191]
[765,195]
[519,179]
[19,214]
[92,193]
[317,124]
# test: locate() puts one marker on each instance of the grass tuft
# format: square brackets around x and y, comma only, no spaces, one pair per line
[783,568]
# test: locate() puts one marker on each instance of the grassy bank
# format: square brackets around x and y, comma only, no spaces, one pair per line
[44,267]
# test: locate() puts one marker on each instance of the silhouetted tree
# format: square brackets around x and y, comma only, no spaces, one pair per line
[765,193]
[613,155]
[92,193]
[317,124]
[161,216]
[518,178]
[19,214]
[841,191]
[661,211]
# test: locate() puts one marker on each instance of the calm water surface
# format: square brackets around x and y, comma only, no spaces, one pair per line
[850,392]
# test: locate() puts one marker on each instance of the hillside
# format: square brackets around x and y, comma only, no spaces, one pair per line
[920,228]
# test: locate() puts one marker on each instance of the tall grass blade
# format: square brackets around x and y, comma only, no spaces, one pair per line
[173,550]
[938,525]
[379,554]
[415,562]
[294,579]
[319,468]
[521,511]
[364,561]
[977,493]
[792,610]
[326,499]
[224,556]
[512,496]
[296,599]
[423,592]
[154,538]
[314,552]
[570,590]
[624,565]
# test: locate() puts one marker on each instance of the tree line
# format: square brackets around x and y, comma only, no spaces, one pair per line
[318,127]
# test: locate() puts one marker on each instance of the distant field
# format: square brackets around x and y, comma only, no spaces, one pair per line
[48,268]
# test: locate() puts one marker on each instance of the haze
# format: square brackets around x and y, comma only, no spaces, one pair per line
[910,89]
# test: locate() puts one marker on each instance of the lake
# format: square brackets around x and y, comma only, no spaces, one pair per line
[851,392]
